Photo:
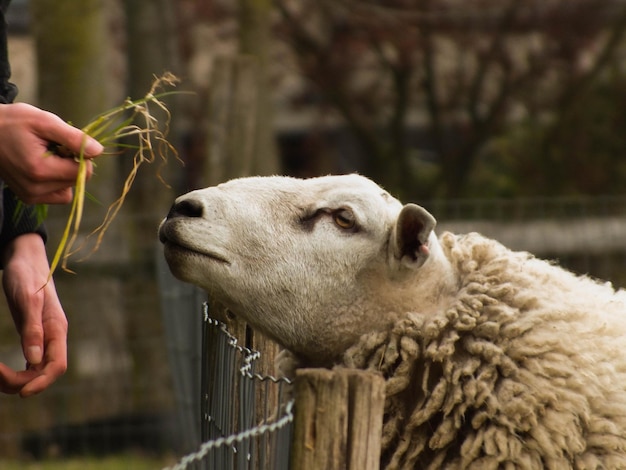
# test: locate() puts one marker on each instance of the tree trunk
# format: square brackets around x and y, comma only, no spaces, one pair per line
[152,50]
[71,51]
[255,41]
[72,47]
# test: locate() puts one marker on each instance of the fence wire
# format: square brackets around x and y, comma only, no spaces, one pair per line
[237,432]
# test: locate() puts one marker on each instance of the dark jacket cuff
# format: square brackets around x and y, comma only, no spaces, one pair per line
[18,219]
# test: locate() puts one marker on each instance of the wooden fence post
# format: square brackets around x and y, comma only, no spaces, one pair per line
[338,419]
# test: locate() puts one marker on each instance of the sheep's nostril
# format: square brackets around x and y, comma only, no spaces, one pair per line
[186,208]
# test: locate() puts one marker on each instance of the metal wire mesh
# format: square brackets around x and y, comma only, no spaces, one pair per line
[236,431]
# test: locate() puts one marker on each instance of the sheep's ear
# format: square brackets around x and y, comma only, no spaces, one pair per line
[409,237]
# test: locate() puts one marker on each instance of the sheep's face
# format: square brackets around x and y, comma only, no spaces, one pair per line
[313,263]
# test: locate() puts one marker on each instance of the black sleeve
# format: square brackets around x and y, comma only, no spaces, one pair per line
[8,91]
[17,221]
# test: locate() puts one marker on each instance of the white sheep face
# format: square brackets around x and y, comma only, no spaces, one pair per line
[313,263]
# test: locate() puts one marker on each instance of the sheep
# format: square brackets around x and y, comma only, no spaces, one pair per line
[492,358]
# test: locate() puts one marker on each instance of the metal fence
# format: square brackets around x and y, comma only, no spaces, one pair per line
[236,433]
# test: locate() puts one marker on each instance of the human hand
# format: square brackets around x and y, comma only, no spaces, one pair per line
[34,175]
[38,317]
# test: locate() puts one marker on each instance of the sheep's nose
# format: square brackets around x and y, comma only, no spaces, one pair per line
[186,208]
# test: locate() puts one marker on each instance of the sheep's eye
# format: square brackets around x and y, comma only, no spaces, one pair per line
[344,219]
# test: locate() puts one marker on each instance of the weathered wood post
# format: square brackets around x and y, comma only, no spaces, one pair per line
[338,419]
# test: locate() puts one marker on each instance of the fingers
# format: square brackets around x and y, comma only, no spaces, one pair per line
[54,362]
[53,365]
[12,381]
[38,316]
[25,302]
[61,196]
[52,370]
[42,371]
[31,381]
[47,190]
[55,169]
[54,129]
[33,173]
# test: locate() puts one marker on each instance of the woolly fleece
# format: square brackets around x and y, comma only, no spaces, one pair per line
[524,369]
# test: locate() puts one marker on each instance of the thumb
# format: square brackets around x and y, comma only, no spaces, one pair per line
[54,129]
[76,140]
[32,339]
[33,354]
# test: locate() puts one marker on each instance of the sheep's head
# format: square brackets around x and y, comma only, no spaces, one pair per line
[313,263]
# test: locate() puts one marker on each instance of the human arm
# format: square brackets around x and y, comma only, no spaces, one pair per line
[37,314]
[34,174]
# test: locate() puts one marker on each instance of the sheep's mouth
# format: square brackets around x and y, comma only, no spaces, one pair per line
[174,245]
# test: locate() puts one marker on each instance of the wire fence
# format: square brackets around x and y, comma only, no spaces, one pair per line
[235,432]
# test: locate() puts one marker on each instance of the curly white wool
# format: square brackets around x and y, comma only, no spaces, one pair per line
[524,369]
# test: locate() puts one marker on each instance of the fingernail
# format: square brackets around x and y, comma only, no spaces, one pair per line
[93,147]
[33,354]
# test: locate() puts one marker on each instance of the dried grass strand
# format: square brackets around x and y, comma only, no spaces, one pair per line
[151,141]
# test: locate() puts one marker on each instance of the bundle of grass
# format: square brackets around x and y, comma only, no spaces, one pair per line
[130,127]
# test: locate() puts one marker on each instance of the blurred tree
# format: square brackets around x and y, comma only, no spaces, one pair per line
[152,49]
[579,153]
[71,57]
[72,53]
[462,70]
[255,41]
